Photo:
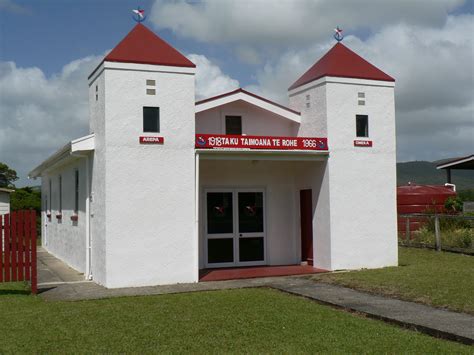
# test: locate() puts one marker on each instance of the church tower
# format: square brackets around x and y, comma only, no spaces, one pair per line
[142,114]
[351,102]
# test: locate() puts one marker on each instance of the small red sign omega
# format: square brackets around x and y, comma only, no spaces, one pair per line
[362,143]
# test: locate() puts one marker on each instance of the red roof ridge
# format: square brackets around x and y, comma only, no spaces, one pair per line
[342,62]
[142,46]
[229,93]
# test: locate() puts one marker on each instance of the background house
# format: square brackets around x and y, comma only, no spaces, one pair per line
[5,200]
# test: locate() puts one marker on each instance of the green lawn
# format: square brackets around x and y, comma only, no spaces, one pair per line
[436,278]
[232,321]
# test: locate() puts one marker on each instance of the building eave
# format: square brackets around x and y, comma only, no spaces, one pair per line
[339,80]
[456,163]
[64,154]
[262,154]
[362,77]
[251,98]
[86,143]
[9,191]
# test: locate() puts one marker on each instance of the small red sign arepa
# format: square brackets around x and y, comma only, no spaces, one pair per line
[362,143]
[152,140]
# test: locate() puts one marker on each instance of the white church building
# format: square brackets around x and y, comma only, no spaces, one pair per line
[164,186]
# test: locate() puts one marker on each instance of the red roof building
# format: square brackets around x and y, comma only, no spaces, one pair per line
[235,180]
[340,61]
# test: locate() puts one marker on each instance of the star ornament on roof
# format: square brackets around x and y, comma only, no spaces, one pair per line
[139,15]
[338,34]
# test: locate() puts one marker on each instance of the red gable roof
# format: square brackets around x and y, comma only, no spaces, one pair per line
[340,61]
[143,46]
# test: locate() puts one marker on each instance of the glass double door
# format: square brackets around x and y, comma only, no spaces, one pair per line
[235,227]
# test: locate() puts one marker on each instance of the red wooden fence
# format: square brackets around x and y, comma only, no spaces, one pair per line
[18,248]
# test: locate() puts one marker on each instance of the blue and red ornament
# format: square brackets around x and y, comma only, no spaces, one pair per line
[338,34]
[139,15]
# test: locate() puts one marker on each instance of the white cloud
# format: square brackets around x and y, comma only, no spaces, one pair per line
[249,55]
[289,22]
[435,133]
[210,80]
[39,114]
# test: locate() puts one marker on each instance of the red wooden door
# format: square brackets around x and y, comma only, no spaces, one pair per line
[306,213]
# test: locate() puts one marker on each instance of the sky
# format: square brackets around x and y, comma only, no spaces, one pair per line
[48,48]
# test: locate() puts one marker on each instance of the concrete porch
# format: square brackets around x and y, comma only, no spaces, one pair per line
[238,273]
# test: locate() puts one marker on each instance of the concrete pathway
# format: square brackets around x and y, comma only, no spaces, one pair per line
[53,271]
[433,321]
[58,282]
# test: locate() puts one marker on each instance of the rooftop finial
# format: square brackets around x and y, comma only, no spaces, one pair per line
[139,15]
[338,34]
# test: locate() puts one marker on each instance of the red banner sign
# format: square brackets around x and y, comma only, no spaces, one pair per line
[152,140]
[220,141]
[362,143]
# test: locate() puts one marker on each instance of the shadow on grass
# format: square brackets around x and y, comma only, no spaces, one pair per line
[14,288]
[5,292]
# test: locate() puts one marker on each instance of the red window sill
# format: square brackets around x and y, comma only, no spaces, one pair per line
[59,216]
[74,218]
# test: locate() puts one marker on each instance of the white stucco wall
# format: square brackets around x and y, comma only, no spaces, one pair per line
[313,118]
[4,203]
[63,237]
[361,181]
[98,174]
[149,189]
[373,242]
[281,181]
[315,177]
[255,121]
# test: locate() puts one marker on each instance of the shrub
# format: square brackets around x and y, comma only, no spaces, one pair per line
[454,238]
[449,224]
[453,204]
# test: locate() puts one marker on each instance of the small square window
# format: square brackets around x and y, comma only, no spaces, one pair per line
[362,125]
[308,97]
[151,119]
[308,105]
[361,102]
[96,88]
[233,125]
[150,82]
[96,97]
[361,95]
[150,91]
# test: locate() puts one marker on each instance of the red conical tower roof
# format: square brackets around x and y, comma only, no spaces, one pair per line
[144,47]
[340,61]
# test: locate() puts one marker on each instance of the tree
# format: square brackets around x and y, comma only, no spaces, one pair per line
[26,198]
[7,176]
